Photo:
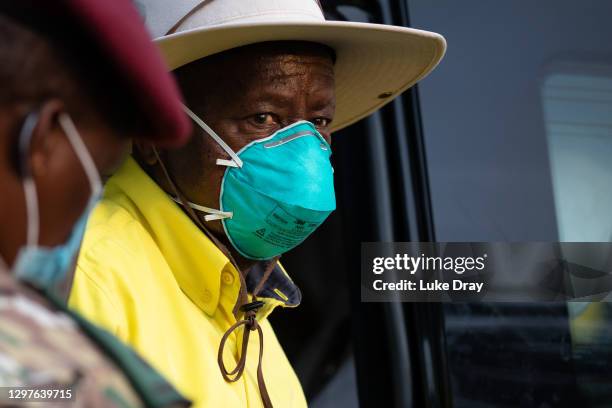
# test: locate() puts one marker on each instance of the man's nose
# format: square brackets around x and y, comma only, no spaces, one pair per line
[297,111]
[292,120]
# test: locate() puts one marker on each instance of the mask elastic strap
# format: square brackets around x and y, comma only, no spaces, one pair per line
[32,210]
[236,161]
[29,187]
[82,153]
[211,213]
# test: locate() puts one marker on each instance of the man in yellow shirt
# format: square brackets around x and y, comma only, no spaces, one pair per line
[180,257]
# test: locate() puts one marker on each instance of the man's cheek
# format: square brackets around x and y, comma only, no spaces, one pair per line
[210,185]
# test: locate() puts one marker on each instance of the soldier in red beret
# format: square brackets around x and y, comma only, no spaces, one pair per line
[78,80]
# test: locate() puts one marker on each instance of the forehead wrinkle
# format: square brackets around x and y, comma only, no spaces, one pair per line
[297,68]
[243,69]
[306,83]
[241,79]
[291,90]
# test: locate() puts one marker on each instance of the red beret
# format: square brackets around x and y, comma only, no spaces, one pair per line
[123,50]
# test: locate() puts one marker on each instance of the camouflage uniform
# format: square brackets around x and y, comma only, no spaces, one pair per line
[43,345]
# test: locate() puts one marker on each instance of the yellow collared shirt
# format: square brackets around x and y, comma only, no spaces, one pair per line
[151,277]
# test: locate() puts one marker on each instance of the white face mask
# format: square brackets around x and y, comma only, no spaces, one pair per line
[41,266]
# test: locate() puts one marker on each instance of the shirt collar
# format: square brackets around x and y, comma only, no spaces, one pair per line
[194,259]
[196,262]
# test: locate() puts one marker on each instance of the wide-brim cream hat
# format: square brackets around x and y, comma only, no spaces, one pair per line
[374,62]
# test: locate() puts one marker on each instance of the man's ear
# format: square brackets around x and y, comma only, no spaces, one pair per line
[46,136]
[144,150]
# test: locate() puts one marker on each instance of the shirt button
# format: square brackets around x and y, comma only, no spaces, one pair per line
[207,296]
[227,278]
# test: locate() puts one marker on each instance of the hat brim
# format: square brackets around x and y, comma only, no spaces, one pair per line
[374,64]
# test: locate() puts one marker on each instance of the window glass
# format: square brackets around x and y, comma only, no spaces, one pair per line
[578,116]
[517,123]
[577,101]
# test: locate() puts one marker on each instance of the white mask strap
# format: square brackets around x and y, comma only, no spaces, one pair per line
[236,161]
[211,213]
[82,153]
[29,187]
[32,209]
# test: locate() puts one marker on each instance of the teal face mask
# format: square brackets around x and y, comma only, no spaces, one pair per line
[275,192]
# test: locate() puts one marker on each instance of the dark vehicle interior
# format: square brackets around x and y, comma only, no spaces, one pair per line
[486,149]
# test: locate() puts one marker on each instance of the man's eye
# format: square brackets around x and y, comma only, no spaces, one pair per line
[264,119]
[321,122]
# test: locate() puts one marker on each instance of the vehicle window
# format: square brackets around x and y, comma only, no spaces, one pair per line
[517,124]
[577,102]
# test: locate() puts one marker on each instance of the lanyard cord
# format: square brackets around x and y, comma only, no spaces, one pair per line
[250,324]
[242,305]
